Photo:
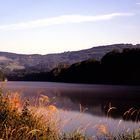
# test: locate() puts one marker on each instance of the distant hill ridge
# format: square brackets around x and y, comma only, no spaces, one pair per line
[11,62]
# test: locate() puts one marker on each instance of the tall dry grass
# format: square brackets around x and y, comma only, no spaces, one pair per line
[21,121]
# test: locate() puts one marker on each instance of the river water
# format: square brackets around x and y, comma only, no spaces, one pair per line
[85,106]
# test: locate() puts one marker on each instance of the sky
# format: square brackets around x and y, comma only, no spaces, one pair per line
[54,26]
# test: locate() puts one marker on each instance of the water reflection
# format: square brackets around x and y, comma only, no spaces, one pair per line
[127,110]
[92,99]
[87,106]
[90,124]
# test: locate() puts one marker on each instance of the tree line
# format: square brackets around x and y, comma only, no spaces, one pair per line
[114,68]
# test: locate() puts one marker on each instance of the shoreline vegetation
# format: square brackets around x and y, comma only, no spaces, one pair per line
[115,68]
[19,120]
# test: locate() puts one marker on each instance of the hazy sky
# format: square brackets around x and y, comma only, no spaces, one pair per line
[49,26]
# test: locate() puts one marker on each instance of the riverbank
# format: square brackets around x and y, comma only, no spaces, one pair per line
[20,120]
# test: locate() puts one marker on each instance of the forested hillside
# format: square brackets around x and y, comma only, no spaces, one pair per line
[19,64]
[114,68]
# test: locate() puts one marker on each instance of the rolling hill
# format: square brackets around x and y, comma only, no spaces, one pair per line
[11,63]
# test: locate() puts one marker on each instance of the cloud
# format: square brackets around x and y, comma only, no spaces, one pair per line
[64,19]
[138,3]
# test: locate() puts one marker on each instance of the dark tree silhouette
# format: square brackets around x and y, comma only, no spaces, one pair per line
[114,68]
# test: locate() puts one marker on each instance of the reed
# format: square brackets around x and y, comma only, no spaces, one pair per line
[19,120]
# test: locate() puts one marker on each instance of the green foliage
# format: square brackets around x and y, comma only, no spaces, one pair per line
[124,136]
[73,136]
